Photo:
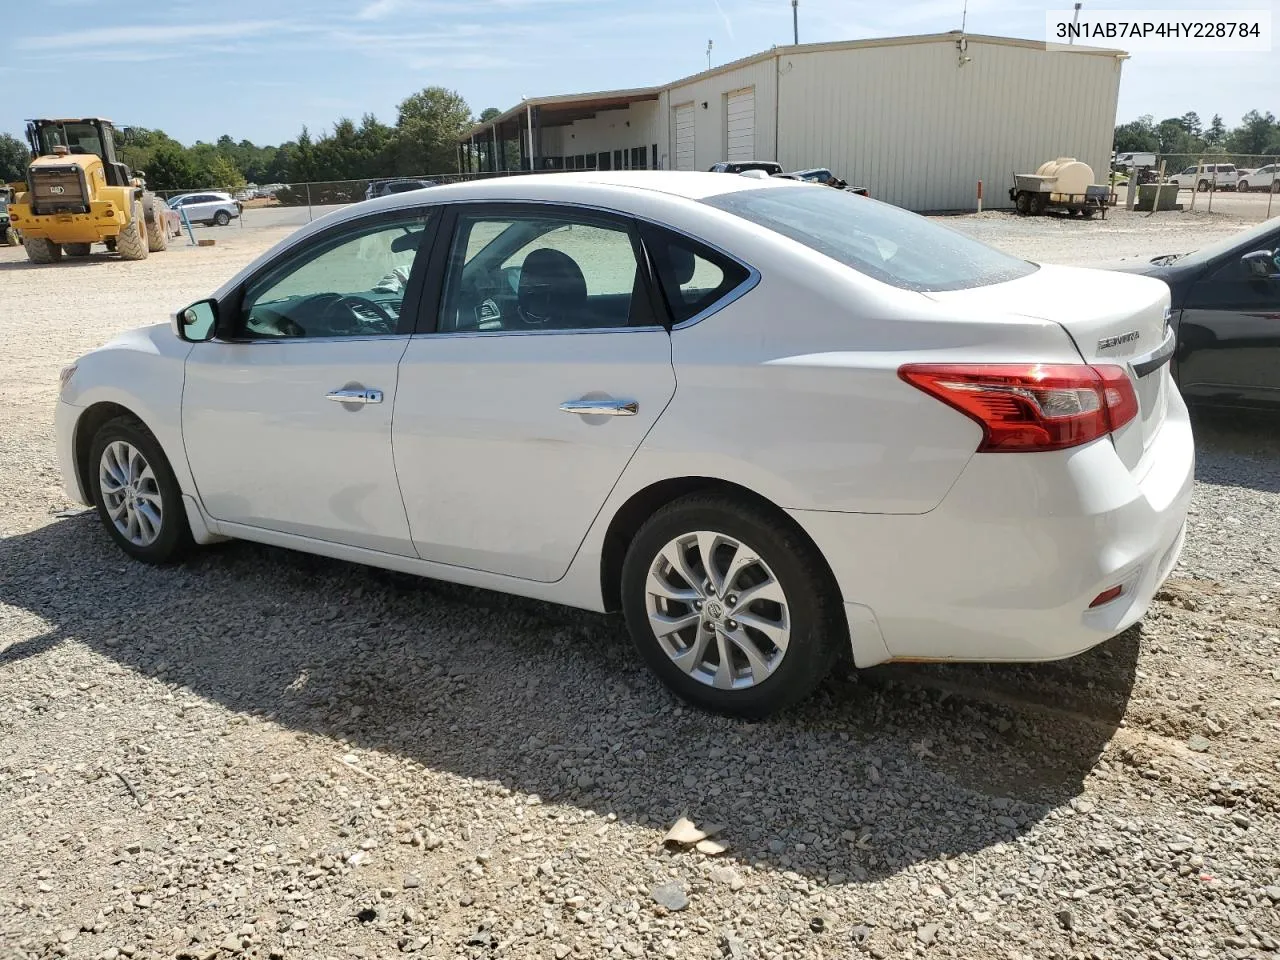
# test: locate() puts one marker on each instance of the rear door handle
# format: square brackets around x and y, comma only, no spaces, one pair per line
[602,408]
[354,395]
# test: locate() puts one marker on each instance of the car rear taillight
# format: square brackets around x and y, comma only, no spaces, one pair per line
[1029,407]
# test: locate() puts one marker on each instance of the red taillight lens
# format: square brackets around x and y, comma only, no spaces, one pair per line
[1028,407]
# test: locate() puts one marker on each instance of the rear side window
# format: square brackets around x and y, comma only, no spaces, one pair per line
[881,241]
[692,276]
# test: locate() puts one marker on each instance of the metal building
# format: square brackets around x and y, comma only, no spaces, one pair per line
[918,120]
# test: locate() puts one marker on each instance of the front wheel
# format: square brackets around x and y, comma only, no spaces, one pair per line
[136,493]
[42,250]
[222,218]
[1243,186]
[731,605]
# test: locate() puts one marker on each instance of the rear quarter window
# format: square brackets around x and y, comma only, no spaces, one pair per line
[876,239]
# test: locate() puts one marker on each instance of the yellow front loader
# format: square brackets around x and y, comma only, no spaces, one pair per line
[77,194]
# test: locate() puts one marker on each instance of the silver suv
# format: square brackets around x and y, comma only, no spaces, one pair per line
[210,208]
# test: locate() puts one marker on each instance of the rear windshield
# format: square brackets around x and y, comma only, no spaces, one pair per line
[877,239]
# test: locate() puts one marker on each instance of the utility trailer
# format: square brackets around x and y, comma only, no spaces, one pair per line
[1062,184]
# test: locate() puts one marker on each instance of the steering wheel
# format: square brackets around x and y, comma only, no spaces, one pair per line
[350,300]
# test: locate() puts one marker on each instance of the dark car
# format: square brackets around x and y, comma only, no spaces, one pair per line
[770,167]
[383,188]
[1226,312]
[824,176]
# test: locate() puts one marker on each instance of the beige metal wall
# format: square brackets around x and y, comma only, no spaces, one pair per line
[709,122]
[917,128]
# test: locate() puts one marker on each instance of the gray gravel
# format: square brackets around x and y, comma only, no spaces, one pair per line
[266,754]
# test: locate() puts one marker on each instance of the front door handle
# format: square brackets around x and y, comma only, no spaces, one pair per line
[354,395]
[602,408]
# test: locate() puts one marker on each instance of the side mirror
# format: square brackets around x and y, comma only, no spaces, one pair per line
[198,322]
[1262,263]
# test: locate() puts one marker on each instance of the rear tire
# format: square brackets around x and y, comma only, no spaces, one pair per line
[42,250]
[1203,186]
[157,231]
[1022,203]
[222,218]
[797,603]
[1039,203]
[131,242]
[1088,213]
[76,249]
[139,481]
[10,237]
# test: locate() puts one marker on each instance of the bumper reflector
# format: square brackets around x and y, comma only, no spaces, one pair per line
[1106,596]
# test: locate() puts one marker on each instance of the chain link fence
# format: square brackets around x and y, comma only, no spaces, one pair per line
[1243,185]
[304,201]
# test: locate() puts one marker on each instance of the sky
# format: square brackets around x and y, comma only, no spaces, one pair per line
[261,69]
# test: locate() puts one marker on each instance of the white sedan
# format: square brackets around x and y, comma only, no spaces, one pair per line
[773,423]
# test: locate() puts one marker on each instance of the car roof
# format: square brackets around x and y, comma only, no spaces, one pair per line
[571,186]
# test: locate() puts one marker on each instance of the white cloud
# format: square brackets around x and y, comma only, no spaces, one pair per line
[728,24]
[139,34]
[379,9]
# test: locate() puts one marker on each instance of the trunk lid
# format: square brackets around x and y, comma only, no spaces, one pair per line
[1112,317]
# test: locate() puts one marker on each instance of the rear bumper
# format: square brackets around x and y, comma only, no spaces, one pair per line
[1006,566]
[104,219]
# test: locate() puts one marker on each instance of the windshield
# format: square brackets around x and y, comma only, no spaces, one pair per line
[1264,236]
[877,239]
[76,137]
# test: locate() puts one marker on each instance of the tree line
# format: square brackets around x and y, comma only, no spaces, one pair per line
[422,140]
[1257,135]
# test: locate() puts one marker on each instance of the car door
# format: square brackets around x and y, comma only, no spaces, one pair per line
[1229,331]
[540,368]
[286,415]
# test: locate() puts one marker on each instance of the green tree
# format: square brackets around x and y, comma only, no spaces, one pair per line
[14,159]
[1216,132]
[1256,133]
[1137,135]
[224,174]
[170,169]
[428,125]
[488,113]
[1191,123]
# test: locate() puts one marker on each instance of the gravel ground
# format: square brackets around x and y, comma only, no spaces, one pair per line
[266,754]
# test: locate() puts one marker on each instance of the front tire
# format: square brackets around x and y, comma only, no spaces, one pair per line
[131,242]
[136,493]
[731,605]
[42,250]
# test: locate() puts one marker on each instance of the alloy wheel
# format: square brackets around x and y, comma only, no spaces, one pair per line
[130,493]
[717,610]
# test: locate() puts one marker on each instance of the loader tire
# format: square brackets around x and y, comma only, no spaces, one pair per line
[42,250]
[131,242]
[76,249]
[157,229]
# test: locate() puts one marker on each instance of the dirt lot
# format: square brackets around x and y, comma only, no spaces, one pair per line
[265,754]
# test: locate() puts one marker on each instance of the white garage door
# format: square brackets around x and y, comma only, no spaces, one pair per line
[740,124]
[684,137]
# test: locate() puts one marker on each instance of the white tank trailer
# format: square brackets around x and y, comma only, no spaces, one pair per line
[1062,184]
